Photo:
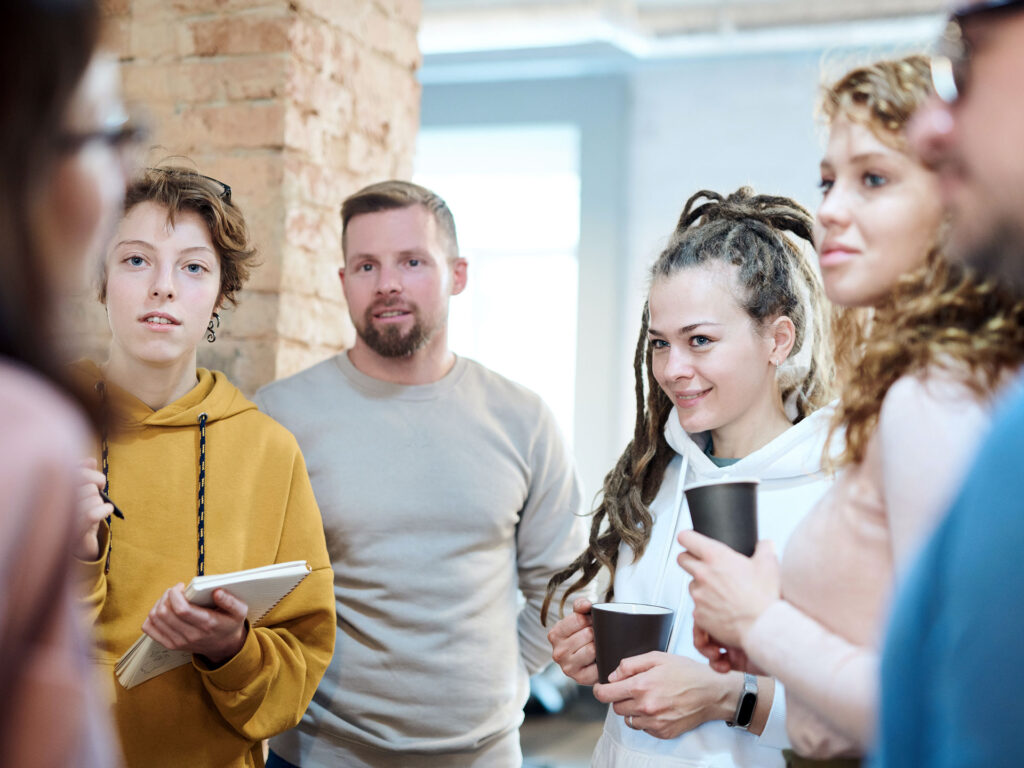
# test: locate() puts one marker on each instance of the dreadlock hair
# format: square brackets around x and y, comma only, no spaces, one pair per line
[940,315]
[775,279]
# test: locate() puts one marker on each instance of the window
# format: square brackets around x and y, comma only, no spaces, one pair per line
[515,195]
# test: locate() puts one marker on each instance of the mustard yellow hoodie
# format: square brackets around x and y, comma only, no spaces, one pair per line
[259,509]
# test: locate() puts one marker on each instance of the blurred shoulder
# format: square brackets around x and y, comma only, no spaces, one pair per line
[42,427]
[936,383]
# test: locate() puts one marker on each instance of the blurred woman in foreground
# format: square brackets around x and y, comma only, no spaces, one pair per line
[62,178]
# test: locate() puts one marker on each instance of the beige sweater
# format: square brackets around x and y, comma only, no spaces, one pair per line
[441,502]
[822,639]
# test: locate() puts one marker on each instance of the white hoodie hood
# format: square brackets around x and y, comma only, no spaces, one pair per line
[792,481]
[793,456]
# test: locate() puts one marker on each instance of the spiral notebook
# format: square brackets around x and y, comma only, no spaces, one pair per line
[259,588]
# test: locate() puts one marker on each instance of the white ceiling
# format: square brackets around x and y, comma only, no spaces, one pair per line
[495,39]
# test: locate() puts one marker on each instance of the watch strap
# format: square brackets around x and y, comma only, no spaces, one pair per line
[747,703]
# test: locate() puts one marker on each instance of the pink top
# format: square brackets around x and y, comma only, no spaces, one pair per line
[48,716]
[822,639]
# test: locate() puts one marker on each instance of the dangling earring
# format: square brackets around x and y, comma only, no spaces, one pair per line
[211,334]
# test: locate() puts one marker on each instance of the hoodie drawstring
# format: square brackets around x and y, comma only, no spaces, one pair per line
[102,390]
[200,525]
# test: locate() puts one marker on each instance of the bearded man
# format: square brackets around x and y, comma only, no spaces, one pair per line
[446,490]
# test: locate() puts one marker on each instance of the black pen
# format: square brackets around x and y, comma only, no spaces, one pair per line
[117,512]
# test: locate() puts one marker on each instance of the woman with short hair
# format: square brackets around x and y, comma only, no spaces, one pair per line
[206,483]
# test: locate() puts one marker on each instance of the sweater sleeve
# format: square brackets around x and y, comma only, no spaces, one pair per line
[265,688]
[551,532]
[929,430]
[834,676]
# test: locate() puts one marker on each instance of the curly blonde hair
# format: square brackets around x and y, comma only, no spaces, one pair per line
[940,315]
[776,279]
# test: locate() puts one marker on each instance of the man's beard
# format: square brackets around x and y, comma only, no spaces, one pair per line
[999,255]
[391,342]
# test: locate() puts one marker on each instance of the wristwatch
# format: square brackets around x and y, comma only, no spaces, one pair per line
[747,703]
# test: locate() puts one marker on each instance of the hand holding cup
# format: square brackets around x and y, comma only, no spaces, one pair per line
[572,644]
[729,591]
[623,630]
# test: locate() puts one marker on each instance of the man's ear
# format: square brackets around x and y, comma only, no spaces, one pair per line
[341,276]
[459,276]
[782,333]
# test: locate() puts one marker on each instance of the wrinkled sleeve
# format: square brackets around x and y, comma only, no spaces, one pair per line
[837,678]
[551,533]
[265,688]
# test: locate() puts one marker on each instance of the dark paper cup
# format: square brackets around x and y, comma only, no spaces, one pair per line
[622,630]
[726,510]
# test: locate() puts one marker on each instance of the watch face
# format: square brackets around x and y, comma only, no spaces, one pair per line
[745,713]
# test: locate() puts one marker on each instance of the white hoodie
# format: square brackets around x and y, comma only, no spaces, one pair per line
[792,481]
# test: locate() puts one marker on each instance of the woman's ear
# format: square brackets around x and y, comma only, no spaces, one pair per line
[782,335]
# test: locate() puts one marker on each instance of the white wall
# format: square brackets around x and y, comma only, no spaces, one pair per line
[715,124]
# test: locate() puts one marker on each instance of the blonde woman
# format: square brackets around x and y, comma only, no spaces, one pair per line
[940,343]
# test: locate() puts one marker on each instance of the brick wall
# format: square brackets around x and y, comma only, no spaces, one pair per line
[295,105]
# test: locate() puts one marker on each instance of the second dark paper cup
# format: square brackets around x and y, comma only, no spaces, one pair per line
[622,630]
[726,510]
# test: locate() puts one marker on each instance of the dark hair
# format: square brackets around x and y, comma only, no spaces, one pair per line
[179,188]
[392,195]
[775,279]
[45,47]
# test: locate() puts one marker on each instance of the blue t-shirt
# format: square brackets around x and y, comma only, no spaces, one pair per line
[952,669]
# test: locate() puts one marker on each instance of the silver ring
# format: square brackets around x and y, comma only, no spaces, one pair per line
[629,721]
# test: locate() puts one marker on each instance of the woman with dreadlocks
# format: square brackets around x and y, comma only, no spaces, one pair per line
[733,351]
[941,342]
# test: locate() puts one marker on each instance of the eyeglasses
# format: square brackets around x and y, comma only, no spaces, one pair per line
[951,63]
[124,136]
[224,192]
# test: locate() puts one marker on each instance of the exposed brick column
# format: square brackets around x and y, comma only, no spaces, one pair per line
[295,105]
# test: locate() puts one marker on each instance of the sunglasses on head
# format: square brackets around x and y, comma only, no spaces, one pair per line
[224,191]
[951,63]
